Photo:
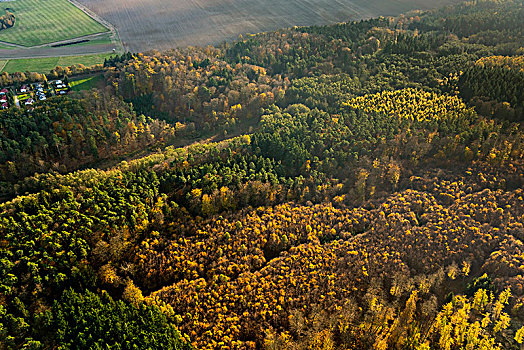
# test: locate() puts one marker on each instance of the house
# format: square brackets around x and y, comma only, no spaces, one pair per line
[23,88]
[4,91]
[3,99]
[29,101]
[42,97]
[5,105]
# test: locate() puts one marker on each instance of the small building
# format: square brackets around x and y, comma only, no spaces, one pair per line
[29,101]
[23,88]
[5,105]
[4,91]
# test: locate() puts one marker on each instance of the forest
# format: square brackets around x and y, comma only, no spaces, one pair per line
[351,186]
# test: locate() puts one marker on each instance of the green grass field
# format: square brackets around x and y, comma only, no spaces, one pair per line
[44,65]
[45,21]
[86,83]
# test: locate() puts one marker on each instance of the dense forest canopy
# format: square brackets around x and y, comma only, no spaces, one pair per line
[354,186]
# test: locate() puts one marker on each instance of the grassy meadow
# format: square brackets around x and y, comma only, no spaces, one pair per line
[45,21]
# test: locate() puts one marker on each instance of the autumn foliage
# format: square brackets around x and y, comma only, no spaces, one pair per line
[355,186]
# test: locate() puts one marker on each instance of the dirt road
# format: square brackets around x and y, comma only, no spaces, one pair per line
[55,51]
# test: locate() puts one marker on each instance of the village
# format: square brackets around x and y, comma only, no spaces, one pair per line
[26,95]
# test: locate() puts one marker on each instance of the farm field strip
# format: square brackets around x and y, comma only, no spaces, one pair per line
[45,64]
